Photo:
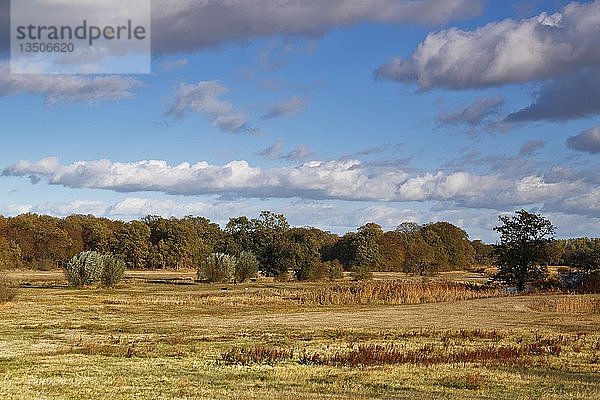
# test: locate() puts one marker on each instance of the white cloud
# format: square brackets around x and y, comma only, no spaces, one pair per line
[500,53]
[187,25]
[205,98]
[135,207]
[67,88]
[83,207]
[317,180]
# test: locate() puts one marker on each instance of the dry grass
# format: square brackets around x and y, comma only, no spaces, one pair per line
[151,341]
[340,294]
[394,293]
[8,291]
[570,305]
[363,355]
[470,381]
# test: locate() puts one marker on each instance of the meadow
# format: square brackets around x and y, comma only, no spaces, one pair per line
[160,336]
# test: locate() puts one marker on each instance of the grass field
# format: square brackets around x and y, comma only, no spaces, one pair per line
[157,337]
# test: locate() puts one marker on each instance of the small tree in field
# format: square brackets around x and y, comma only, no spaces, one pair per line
[246,266]
[83,269]
[217,267]
[113,269]
[524,248]
[89,267]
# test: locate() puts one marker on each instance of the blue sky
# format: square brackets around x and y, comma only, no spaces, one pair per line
[335,113]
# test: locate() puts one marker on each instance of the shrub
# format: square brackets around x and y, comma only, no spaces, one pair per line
[361,273]
[217,267]
[7,291]
[113,269]
[334,270]
[84,269]
[246,266]
[89,267]
[311,272]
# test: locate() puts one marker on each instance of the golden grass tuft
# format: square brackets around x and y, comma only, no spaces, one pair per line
[572,304]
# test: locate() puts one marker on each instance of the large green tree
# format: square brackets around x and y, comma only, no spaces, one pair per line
[272,244]
[454,242]
[524,248]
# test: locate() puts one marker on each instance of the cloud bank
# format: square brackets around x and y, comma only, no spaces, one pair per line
[348,180]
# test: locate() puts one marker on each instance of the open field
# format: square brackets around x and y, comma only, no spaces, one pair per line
[265,340]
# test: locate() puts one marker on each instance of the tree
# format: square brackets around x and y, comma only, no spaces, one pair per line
[246,266]
[393,252]
[84,269]
[10,253]
[367,246]
[424,254]
[455,243]
[484,253]
[218,267]
[272,244]
[305,255]
[113,269]
[524,248]
[132,243]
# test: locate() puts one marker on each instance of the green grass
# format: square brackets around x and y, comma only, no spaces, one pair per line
[163,341]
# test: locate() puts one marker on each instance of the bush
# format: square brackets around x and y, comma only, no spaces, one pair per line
[246,266]
[217,267]
[333,270]
[84,269]
[311,272]
[89,267]
[7,291]
[361,273]
[113,269]
[329,270]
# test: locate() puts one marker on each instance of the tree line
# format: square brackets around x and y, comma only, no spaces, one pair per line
[44,242]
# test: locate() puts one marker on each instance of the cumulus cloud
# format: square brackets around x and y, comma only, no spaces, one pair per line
[475,113]
[205,98]
[286,108]
[188,25]
[505,52]
[316,180]
[587,141]
[67,88]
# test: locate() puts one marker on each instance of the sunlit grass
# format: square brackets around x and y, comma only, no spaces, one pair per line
[163,341]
